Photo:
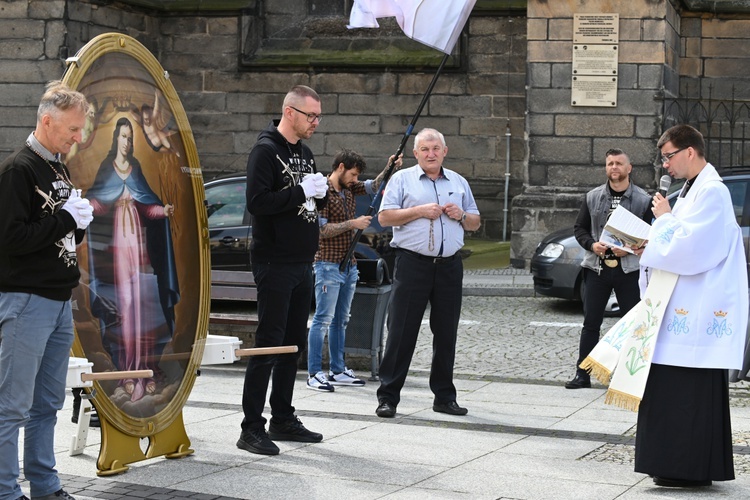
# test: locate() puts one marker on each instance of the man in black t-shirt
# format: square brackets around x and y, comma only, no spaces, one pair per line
[606,269]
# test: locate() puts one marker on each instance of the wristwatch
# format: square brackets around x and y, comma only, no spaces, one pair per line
[463,218]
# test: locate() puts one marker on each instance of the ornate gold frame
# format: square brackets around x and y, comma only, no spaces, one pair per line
[121,432]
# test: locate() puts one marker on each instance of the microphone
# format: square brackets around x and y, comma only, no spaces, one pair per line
[664,184]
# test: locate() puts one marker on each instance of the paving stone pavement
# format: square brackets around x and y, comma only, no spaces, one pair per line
[525,437]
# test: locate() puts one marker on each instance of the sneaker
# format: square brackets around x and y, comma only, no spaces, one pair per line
[59,494]
[292,430]
[257,441]
[345,378]
[319,382]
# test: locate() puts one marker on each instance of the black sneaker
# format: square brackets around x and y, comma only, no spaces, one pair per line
[257,441]
[58,495]
[292,430]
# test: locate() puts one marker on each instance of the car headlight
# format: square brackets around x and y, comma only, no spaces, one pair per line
[552,250]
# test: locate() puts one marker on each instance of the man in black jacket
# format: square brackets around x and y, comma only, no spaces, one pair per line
[44,218]
[284,194]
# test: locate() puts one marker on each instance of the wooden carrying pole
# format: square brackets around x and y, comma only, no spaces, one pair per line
[86,377]
[262,351]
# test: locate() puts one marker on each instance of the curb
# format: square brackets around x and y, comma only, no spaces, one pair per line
[498,292]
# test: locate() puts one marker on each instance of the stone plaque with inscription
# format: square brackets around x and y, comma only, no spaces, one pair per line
[594,91]
[596,28]
[594,59]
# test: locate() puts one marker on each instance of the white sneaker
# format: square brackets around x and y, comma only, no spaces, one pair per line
[345,378]
[319,382]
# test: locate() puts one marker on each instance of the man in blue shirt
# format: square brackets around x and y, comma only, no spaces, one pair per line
[429,208]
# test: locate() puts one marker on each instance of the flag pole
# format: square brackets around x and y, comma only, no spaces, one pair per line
[392,163]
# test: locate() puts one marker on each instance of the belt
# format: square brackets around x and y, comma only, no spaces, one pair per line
[611,261]
[430,258]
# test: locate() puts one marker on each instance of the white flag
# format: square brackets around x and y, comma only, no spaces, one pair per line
[437,23]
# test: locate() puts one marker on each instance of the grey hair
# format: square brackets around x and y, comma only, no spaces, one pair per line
[60,97]
[427,134]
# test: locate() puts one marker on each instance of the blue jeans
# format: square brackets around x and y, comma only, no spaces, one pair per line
[37,334]
[334,292]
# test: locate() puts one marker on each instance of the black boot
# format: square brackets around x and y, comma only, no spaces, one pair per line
[581,381]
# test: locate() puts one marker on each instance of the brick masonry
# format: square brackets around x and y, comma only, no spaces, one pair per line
[514,75]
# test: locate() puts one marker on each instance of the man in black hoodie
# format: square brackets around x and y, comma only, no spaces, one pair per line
[44,217]
[284,194]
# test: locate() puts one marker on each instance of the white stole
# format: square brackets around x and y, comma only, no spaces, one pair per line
[624,354]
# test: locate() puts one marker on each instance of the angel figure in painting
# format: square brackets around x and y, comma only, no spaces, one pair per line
[154,122]
[131,259]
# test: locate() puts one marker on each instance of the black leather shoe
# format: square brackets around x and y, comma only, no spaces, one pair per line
[292,430]
[386,409]
[680,483]
[257,441]
[451,408]
[579,382]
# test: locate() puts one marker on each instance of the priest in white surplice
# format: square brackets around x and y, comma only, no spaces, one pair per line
[684,430]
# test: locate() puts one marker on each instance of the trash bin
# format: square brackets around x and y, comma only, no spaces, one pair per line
[364,334]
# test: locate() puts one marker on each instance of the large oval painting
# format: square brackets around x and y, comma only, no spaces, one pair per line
[144,295]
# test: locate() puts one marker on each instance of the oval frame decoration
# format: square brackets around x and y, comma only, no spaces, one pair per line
[141,304]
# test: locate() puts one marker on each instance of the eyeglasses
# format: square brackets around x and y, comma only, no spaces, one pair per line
[311,117]
[665,158]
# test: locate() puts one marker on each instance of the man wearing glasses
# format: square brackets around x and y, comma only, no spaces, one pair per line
[284,193]
[604,268]
[684,432]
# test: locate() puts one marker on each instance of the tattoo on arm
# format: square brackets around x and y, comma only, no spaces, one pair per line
[334,229]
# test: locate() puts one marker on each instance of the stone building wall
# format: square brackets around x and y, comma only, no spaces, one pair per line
[232,67]
[566,144]
[229,96]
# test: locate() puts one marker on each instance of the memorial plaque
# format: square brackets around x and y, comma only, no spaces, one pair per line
[596,28]
[594,91]
[594,59]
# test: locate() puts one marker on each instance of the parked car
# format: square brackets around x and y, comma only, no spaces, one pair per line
[230,229]
[556,264]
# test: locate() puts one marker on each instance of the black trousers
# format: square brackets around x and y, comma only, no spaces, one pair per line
[418,281]
[284,300]
[597,289]
[684,426]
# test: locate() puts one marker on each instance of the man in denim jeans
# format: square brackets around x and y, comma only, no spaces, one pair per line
[44,217]
[334,290]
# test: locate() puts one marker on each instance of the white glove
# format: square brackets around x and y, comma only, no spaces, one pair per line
[81,210]
[321,185]
[314,185]
[309,185]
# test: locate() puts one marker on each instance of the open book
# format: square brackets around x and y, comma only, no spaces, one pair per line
[624,229]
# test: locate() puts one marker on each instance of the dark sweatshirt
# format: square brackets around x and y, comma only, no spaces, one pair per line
[285,223]
[37,237]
